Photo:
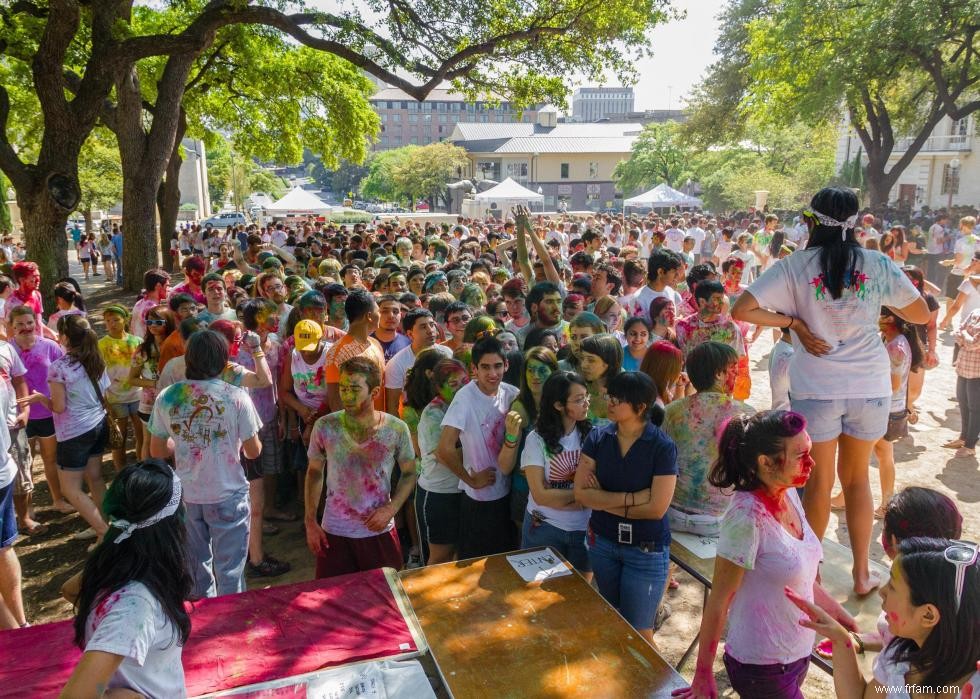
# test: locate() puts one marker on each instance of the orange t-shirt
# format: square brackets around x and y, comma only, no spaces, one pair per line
[172,347]
[349,347]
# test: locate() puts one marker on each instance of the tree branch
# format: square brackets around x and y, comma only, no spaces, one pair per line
[12,166]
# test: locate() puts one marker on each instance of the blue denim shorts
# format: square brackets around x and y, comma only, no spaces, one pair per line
[860,418]
[630,579]
[571,545]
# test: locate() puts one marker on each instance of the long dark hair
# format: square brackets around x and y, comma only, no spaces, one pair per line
[838,257]
[68,291]
[951,649]
[746,438]
[549,423]
[150,348]
[419,390]
[917,511]
[154,556]
[908,330]
[538,354]
[83,345]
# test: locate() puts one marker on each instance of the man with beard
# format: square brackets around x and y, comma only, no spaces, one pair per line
[270,286]
[215,293]
[544,306]
[389,327]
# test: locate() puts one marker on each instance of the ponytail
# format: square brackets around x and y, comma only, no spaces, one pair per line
[747,437]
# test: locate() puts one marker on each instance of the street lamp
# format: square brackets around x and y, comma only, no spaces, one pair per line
[952,183]
[540,193]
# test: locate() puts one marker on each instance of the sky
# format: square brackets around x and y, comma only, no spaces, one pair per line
[682,52]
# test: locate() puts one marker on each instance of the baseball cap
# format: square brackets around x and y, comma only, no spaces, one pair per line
[307,335]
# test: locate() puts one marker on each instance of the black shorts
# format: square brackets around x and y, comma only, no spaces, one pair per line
[145,417]
[953,282]
[438,516]
[74,453]
[518,504]
[485,527]
[41,427]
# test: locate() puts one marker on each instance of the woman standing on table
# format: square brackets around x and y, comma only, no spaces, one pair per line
[626,476]
[131,622]
[829,296]
[766,546]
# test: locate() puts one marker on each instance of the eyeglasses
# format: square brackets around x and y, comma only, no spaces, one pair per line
[584,400]
[962,554]
[612,402]
[460,319]
[155,321]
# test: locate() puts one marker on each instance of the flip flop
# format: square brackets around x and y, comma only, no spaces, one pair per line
[37,530]
[270,529]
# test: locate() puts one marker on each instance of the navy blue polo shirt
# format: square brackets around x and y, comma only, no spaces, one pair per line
[653,454]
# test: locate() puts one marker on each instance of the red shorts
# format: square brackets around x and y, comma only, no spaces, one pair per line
[347,555]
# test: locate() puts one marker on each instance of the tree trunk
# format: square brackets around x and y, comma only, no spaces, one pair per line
[168,203]
[140,248]
[87,215]
[45,235]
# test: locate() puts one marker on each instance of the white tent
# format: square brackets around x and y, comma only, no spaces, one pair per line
[298,201]
[661,197]
[501,199]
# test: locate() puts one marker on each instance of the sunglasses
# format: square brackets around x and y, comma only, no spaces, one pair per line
[155,321]
[962,554]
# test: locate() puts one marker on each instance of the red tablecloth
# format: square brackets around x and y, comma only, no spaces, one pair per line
[236,640]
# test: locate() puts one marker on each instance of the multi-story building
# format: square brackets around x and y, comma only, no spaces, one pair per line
[946,168]
[594,103]
[564,162]
[406,121]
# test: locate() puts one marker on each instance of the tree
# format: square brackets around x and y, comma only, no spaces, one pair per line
[426,171]
[347,178]
[79,55]
[810,58]
[99,175]
[5,221]
[657,156]
[380,182]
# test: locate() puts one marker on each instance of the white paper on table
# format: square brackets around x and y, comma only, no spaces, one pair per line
[535,566]
[700,546]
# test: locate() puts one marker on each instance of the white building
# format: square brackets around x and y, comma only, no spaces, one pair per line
[594,103]
[947,164]
[193,180]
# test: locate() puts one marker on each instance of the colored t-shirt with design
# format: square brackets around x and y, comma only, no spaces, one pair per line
[358,474]
[856,365]
[695,424]
[559,473]
[692,331]
[264,399]
[349,347]
[208,421]
[118,357]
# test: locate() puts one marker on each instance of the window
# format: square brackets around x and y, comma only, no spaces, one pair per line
[593,169]
[951,180]
[396,117]
[564,171]
[413,118]
[443,118]
[959,127]
[384,117]
[413,106]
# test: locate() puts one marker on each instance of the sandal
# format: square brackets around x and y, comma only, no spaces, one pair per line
[269,529]
[37,530]
[913,416]
[954,444]
[880,512]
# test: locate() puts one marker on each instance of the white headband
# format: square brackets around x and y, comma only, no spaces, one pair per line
[850,222]
[127,528]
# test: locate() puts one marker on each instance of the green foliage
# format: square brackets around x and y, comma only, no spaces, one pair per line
[410,173]
[347,178]
[100,172]
[658,156]
[5,222]
[380,182]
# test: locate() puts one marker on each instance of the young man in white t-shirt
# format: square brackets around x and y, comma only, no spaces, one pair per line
[674,236]
[476,420]
[421,329]
[663,271]
[156,282]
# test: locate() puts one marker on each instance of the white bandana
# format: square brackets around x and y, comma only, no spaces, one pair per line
[850,222]
[127,528]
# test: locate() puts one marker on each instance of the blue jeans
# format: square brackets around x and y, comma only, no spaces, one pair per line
[217,545]
[571,545]
[630,579]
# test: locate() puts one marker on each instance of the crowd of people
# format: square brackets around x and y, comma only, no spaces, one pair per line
[423,393]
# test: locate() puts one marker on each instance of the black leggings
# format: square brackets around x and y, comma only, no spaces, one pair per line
[968,396]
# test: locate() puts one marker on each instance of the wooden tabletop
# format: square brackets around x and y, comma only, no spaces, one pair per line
[494,635]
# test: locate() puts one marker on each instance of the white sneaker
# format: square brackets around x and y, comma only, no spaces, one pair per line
[84,535]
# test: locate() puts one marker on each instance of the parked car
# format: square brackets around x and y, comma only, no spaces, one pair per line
[225,219]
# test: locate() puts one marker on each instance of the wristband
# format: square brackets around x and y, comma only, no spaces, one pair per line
[510,438]
[791,321]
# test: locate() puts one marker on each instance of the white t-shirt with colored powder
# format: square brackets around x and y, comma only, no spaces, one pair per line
[130,622]
[480,421]
[763,625]
[857,364]
[83,408]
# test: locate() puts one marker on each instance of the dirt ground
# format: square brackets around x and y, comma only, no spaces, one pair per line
[48,560]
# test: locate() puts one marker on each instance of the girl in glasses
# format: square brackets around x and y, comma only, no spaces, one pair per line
[145,369]
[932,603]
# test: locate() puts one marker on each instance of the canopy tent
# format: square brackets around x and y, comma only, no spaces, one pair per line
[661,197]
[505,196]
[298,201]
